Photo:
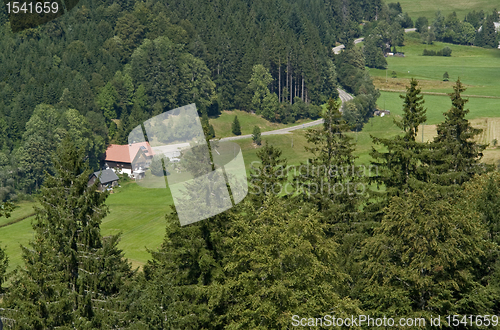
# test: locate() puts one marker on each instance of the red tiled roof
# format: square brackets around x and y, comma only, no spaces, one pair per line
[123,153]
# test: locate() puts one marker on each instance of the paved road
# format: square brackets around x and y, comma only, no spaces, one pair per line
[344,97]
[336,50]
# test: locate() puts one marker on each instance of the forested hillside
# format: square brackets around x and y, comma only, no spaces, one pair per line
[119,62]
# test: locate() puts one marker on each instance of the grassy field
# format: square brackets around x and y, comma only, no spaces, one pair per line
[477,68]
[428,8]
[138,213]
[222,124]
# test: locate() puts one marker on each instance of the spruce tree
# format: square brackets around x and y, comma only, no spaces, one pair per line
[279,262]
[332,181]
[5,210]
[399,165]
[236,128]
[488,204]
[455,156]
[256,136]
[72,275]
[422,260]
[270,175]
[4,263]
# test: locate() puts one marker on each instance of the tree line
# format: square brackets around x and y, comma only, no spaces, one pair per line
[477,28]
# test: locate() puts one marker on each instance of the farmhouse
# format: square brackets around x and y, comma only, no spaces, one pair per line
[122,157]
[107,179]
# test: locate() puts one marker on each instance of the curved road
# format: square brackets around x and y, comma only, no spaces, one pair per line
[336,50]
[344,97]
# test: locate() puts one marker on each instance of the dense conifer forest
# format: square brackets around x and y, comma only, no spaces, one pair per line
[416,238]
[104,67]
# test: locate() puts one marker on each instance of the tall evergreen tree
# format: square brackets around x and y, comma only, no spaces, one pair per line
[422,259]
[399,165]
[279,262]
[455,156]
[332,181]
[256,136]
[174,291]
[72,274]
[236,127]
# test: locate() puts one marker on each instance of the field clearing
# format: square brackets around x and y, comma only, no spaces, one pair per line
[222,124]
[477,68]
[428,8]
[436,105]
[21,211]
[139,214]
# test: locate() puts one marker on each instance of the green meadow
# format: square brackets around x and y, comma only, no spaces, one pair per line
[477,68]
[428,8]
[222,124]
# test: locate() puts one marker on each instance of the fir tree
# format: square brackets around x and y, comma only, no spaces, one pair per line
[72,275]
[489,205]
[174,291]
[422,259]
[399,165]
[446,76]
[256,136]
[455,157]
[279,262]
[373,54]
[235,127]
[331,179]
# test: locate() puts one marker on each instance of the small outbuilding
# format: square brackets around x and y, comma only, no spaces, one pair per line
[107,179]
[382,113]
